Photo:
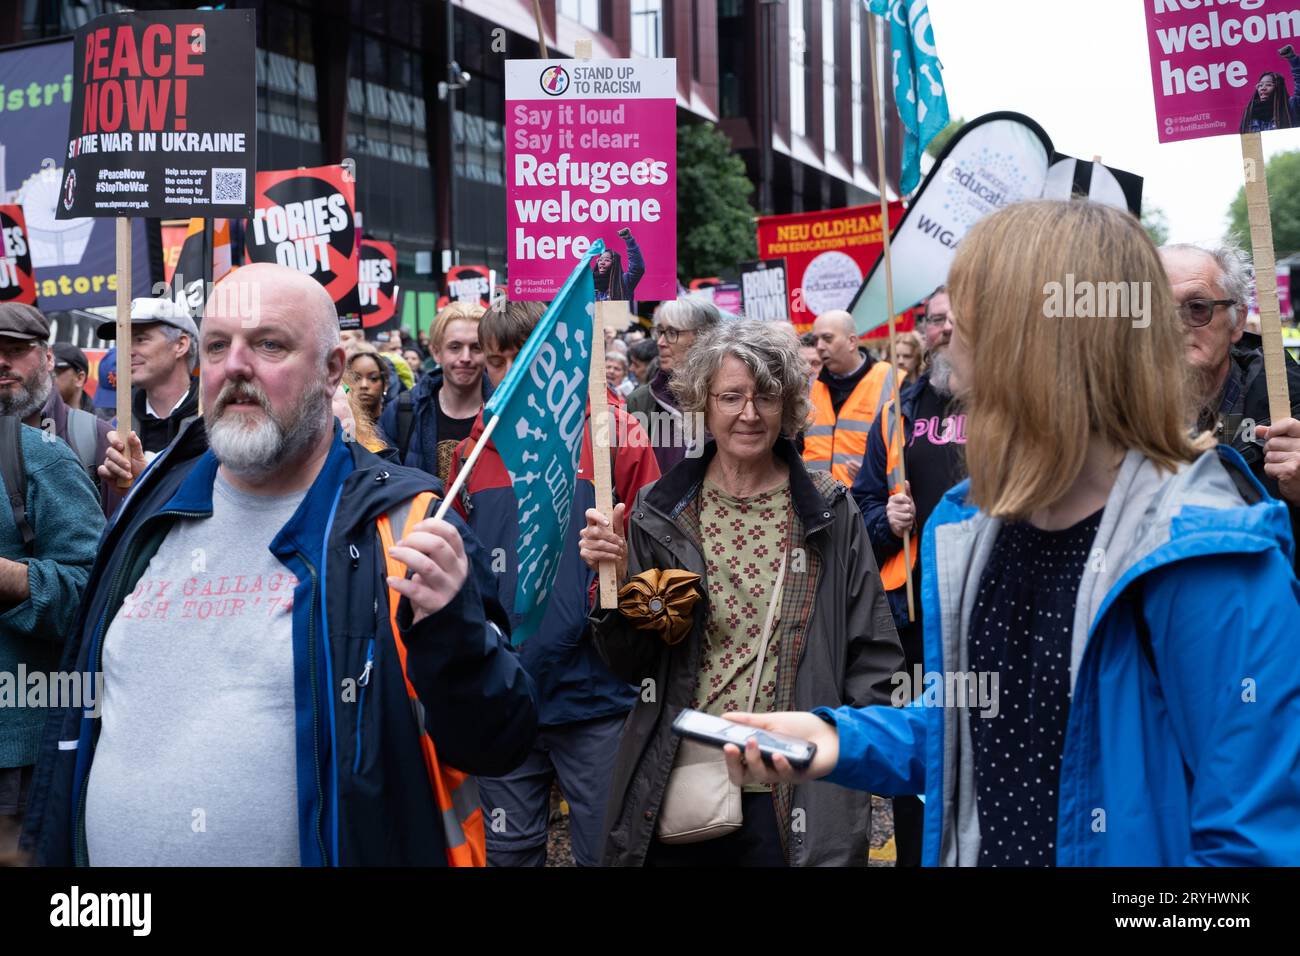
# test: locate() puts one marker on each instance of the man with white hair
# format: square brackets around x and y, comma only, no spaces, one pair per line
[846,397]
[164,352]
[279,689]
[1212,287]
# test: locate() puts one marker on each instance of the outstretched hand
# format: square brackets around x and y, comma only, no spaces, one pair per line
[749,766]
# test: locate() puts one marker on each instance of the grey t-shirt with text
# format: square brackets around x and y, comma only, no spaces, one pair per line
[196,761]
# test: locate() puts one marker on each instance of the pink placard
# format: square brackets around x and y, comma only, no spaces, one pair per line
[591,149]
[1208,59]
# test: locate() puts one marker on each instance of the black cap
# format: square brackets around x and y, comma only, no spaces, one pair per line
[67,355]
[19,321]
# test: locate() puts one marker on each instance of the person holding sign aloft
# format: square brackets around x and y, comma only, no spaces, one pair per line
[612,283]
[1270,105]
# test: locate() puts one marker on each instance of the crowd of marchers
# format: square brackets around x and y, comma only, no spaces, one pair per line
[1092,520]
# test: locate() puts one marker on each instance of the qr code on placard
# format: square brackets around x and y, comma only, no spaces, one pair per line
[228,185]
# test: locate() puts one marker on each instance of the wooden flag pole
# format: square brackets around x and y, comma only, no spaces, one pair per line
[541,32]
[124,335]
[1261,243]
[876,94]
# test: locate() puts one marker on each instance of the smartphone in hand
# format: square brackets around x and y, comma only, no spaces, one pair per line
[719,731]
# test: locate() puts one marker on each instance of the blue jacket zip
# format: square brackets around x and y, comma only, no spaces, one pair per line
[363,682]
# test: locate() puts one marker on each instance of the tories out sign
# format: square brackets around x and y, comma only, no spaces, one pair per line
[591,153]
[1223,68]
[305,219]
[377,285]
[17,284]
[163,116]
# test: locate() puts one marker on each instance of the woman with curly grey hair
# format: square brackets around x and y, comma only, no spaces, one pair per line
[749,584]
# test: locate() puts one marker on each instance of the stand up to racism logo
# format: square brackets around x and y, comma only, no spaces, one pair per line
[555,80]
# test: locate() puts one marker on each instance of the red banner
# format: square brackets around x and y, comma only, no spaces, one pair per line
[827,254]
[304,219]
[17,283]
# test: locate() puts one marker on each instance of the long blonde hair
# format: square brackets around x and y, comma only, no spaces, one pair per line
[1043,380]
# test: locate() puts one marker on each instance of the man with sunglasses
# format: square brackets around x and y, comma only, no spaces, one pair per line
[1212,289]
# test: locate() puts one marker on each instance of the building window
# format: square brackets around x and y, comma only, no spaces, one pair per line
[586,12]
[648,27]
[387,124]
[829,83]
[287,120]
[733,59]
[798,66]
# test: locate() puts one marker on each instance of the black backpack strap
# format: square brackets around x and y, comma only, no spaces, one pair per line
[14,471]
[405,412]
[83,436]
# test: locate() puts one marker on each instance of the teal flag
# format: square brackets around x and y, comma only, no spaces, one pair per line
[541,406]
[918,80]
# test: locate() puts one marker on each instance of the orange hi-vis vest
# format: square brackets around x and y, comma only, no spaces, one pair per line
[455,792]
[893,574]
[830,443]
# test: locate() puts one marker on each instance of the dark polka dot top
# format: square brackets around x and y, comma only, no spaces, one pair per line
[1021,630]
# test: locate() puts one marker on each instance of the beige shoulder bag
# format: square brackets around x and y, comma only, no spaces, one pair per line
[700,802]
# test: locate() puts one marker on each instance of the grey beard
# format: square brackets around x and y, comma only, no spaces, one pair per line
[941,374]
[255,452]
[25,401]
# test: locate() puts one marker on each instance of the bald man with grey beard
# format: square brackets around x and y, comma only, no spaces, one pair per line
[260,609]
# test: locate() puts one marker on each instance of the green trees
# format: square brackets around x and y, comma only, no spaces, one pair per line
[715,222]
[1283,203]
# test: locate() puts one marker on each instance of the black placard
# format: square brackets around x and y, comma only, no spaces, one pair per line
[163,118]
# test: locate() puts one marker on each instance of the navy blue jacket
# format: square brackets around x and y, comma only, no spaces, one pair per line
[363,794]
[573,683]
[422,449]
[871,491]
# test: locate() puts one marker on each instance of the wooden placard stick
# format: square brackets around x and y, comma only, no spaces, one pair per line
[1261,243]
[541,31]
[607,313]
[876,93]
[611,315]
[124,335]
